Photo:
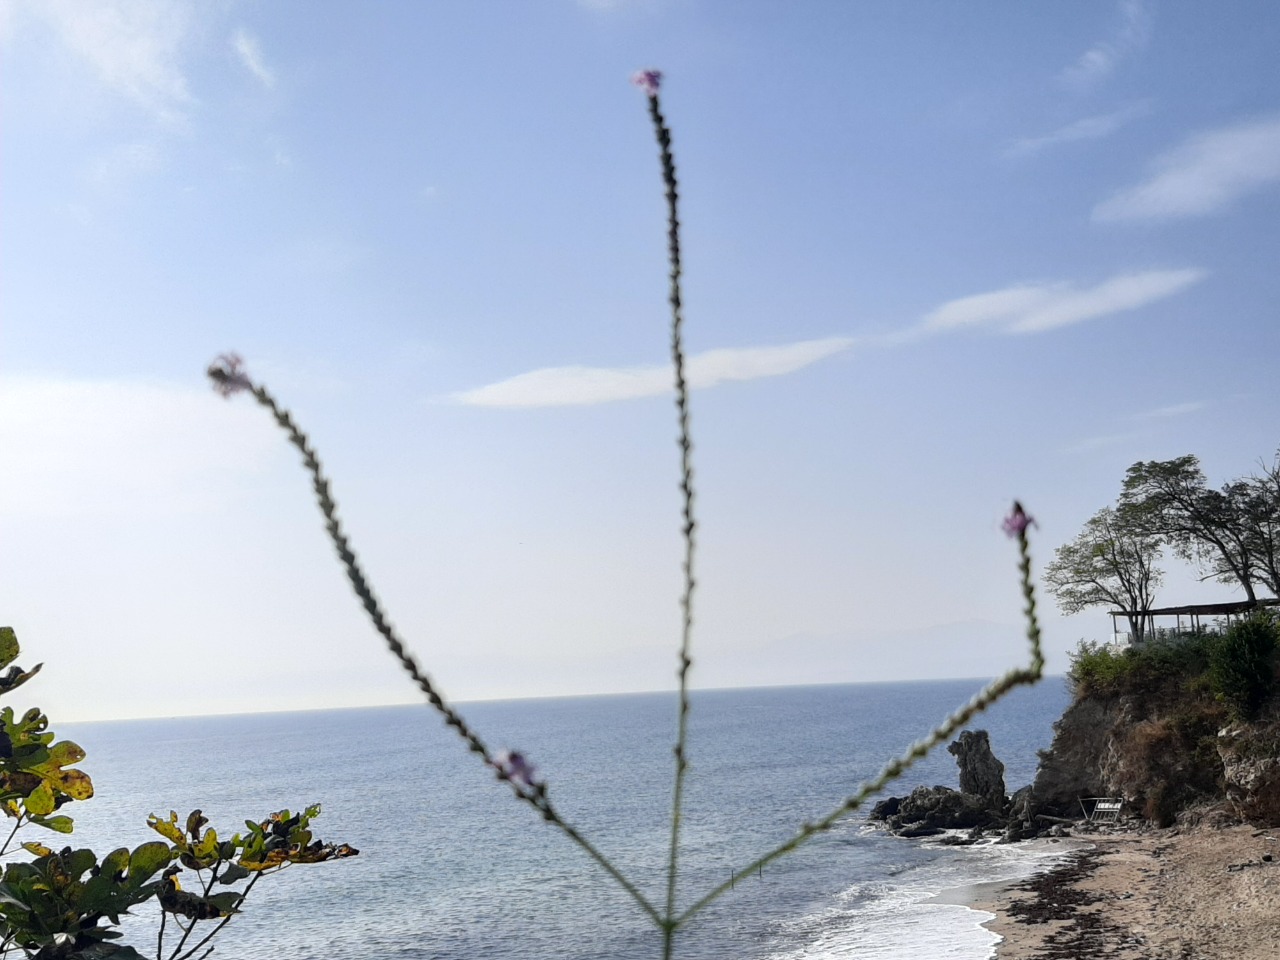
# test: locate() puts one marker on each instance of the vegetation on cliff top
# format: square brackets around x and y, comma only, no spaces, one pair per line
[1236,668]
[1182,714]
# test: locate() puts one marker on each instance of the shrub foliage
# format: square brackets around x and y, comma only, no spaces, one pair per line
[1243,665]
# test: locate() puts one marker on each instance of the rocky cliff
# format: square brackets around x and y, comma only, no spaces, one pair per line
[1157,727]
[1163,740]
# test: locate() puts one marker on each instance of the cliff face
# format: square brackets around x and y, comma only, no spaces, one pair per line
[1162,749]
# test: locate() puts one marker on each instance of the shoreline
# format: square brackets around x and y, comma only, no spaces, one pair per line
[1196,893]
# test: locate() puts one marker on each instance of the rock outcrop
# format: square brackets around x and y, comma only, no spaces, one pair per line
[981,774]
[1250,756]
[979,804]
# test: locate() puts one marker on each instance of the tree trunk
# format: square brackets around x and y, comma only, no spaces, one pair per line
[1137,628]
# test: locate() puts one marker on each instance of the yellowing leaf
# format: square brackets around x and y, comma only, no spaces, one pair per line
[40,802]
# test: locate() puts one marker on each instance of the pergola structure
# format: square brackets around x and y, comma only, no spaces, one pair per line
[1220,615]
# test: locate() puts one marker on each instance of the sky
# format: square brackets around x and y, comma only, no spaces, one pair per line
[938,256]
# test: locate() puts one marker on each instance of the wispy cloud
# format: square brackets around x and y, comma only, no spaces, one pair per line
[1033,308]
[1089,444]
[1088,128]
[134,46]
[580,386]
[1018,309]
[1206,174]
[1173,410]
[1100,60]
[249,50]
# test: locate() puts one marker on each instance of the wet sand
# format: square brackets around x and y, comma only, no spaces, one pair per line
[1176,894]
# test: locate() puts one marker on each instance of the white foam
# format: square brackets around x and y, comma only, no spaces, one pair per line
[902,921]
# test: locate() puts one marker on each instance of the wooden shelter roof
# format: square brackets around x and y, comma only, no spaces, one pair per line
[1202,609]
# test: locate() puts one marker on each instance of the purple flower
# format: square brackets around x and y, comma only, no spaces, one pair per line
[514,767]
[1016,523]
[228,376]
[648,81]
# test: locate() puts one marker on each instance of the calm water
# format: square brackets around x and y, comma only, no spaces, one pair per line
[452,868]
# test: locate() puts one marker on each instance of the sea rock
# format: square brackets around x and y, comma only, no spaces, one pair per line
[981,774]
[941,808]
[1021,822]
[885,808]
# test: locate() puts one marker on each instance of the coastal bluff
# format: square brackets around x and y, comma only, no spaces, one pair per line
[1151,727]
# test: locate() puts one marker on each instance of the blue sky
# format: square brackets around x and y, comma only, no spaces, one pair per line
[938,256]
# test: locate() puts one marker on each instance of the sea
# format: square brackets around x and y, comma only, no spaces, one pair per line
[451,867]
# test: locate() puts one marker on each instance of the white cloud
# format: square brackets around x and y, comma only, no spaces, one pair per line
[998,305]
[80,447]
[134,46]
[1098,62]
[1032,308]
[1173,410]
[1204,175]
[578,386]
[249,50]
[1088,128]
[1097,443]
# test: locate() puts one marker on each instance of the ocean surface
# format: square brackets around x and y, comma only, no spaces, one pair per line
[452,868]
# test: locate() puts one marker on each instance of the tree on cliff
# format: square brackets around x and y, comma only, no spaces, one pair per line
[1111,562]
[1261,517]
[1172,500]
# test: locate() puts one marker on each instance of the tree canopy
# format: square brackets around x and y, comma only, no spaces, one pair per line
[1231,533]
[1208,527]
[1112,561]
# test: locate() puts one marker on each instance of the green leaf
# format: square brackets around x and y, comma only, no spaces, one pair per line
[40,801]
[225,902]
[74,783]
[206,851]
[16,677]
[58,824]
[232,873]
[169,829]
[115,863]
[9,648]
[64,754]
[78,862]
[146,860]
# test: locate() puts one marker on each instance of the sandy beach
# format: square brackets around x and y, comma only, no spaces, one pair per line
[1199,893]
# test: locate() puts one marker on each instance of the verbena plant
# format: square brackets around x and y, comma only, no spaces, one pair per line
[512,767]
[66,904]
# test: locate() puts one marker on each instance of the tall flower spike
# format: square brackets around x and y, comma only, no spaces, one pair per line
[648,81]
[228,375]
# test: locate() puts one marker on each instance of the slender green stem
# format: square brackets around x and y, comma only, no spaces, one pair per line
[689,526]
[12,833]
[229,379]
[222,923]
[895,768]
[186,933]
